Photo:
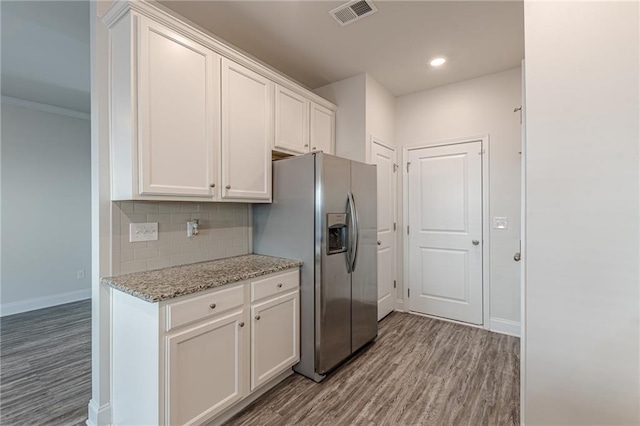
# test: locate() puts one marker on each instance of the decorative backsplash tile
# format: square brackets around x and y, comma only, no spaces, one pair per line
[223,232]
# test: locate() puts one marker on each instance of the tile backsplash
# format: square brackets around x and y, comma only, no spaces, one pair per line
[223,232]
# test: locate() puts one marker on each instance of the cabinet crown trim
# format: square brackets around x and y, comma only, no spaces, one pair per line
[181,25]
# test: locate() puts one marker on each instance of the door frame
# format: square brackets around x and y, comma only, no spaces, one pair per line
[486,230]
[369,160]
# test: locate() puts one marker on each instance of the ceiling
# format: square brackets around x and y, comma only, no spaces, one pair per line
[45,52]
[394,45]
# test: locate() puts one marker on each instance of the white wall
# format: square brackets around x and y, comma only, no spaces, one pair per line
[349,95]
[380,112]
[46,210]
[474,107]
[582,322]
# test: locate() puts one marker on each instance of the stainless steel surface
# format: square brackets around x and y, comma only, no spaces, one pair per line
[516,257]
[338,309]
[475,242]
[333,335]
[357,233]
[364,278]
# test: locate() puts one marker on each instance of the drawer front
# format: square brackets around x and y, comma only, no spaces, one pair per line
[211,304]
[274,285]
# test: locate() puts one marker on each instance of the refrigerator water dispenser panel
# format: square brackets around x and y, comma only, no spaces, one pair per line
[336,233]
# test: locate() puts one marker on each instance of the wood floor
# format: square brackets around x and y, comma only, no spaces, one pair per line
[45,366]
[420,371]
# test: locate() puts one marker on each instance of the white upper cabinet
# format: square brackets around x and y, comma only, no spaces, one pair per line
[322,129]
[247,133]
[191,119]
[178,110]
[292,122]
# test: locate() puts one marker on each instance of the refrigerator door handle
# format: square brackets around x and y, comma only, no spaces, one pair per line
[352,227]
[356,246]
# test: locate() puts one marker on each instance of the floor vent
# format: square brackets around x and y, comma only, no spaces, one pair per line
[353,11]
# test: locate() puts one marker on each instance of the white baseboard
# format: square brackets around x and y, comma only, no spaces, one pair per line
[98,416]
[43,302]
[503,326]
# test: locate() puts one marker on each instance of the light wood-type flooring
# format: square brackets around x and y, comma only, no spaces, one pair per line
[45,366]
[420,371]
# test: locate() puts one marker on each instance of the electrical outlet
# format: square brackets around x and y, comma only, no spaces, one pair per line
[80,274]
[143,232]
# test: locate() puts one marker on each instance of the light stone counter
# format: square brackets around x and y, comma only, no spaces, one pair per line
[168,283]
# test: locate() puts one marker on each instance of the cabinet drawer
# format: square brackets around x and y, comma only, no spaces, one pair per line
[181,313]
[273,285]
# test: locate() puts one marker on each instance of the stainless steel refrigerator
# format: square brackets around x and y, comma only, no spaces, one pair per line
[324,213]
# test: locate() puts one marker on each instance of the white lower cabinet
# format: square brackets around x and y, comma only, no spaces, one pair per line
[200,358]
[274,337]
[205,369]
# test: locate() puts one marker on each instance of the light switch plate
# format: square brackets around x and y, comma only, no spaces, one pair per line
[500,223]
[143,232]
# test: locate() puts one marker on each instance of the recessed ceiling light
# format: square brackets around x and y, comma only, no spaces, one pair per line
[436,62]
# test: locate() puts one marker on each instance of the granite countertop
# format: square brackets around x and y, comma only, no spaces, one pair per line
[167,283]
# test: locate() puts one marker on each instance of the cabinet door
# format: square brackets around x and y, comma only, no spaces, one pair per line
[205,369]
[292,121]
[247,133]
[275,335]
[322,129]
[178,114]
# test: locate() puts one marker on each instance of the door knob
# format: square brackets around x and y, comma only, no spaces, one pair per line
[516,257]
[475,242]
[379,242]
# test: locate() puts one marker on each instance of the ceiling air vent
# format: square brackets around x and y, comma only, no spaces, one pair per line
[353,11]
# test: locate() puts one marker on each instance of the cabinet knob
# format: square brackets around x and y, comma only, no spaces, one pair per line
[306,145]
[241,324]
[213,185]
[279,285]
[379,242]
[475,242]
[212,306]
[257,317]
[228,186]
[313,147]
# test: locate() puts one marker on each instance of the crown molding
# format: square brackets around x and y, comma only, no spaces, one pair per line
[186,28]
[8,100]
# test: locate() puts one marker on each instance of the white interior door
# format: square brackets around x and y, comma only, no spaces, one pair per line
[445,238]
[385,158]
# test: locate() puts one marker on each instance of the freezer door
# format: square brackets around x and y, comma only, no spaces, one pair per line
[333,296]
[364,278]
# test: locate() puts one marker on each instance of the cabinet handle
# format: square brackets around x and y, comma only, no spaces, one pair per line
[228,186]
[241,324]
[279,285]
[257,317]
[213,185]
[212,306]
[306,145]
[313,147]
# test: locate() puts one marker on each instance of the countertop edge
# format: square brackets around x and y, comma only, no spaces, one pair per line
[108,281]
